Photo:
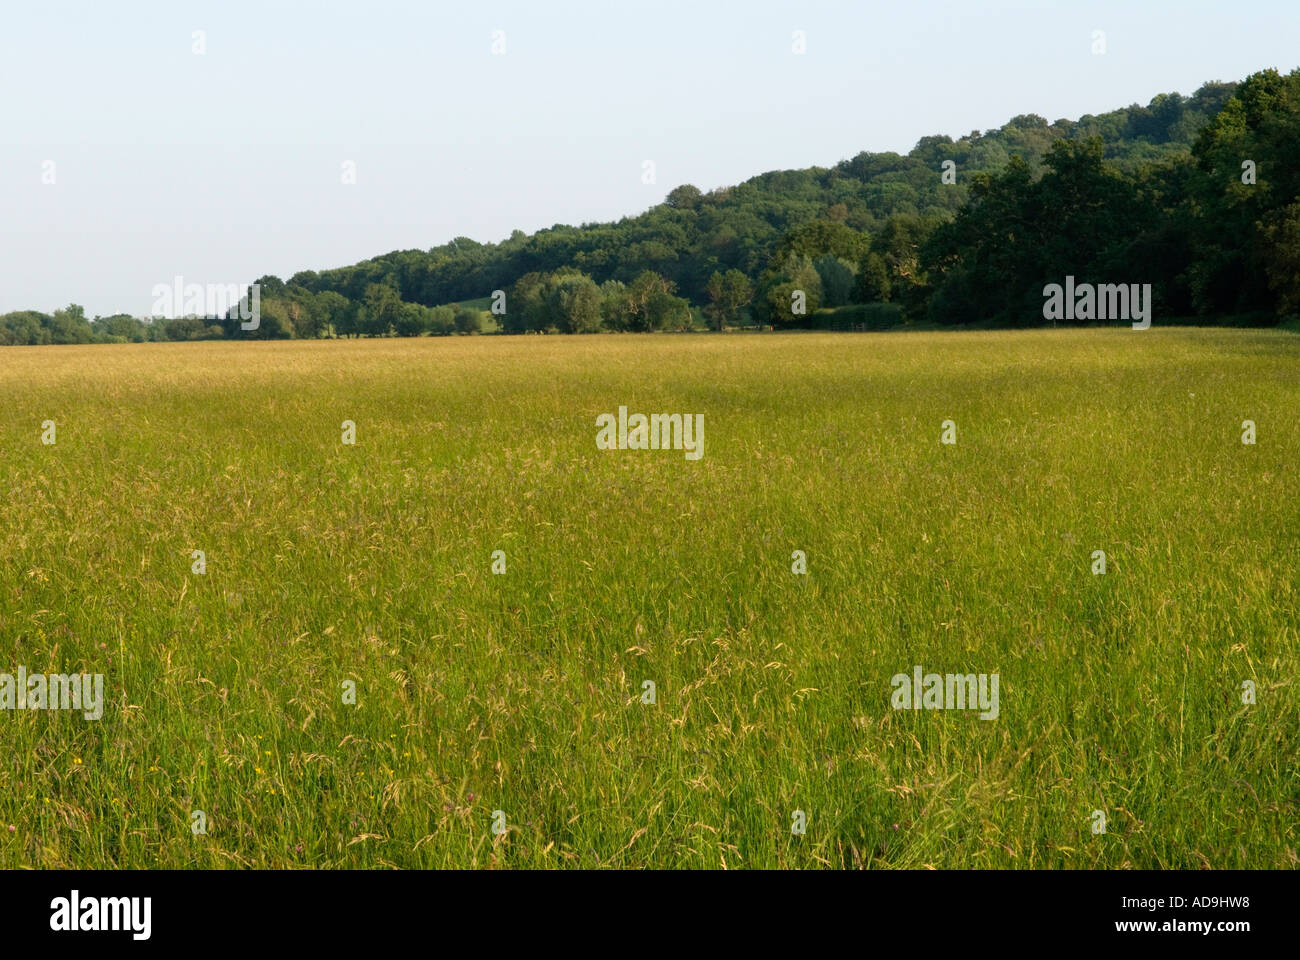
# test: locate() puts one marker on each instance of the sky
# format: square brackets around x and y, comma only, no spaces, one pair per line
[141,141]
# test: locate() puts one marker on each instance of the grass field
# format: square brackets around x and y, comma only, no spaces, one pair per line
[522,692]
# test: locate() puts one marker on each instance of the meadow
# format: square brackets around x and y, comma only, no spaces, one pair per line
[522,692]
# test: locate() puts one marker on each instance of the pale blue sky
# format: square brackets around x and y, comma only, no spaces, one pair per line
[225,166]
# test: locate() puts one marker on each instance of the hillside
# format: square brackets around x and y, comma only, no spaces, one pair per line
[958,232]
[694,233]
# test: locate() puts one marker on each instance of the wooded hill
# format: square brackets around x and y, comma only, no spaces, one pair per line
[1198,196]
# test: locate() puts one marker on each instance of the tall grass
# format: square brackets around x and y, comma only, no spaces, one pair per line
[522,692]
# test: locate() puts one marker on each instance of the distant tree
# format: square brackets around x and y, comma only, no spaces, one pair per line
[526,306]
[412,320]
[1018,234]
[25,328]
[1237,223]
[667,312]
[382,309]
[613,300]
[306,317]
[185,328]
[70,325]
[334,311]
[442,321]
[274,324]
[122,326]
[468,320]
[641,293]
[792,294]
[1281,235]
[872,283]
[272,287]
[685,197]
[819,238]
[729,293]
[574,304]
[838,278]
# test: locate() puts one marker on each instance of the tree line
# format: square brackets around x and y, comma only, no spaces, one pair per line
[1198,196]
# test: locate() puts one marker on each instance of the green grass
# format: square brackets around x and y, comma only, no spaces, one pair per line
[521,692]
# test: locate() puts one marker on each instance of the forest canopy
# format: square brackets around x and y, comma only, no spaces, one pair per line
[1196,196]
